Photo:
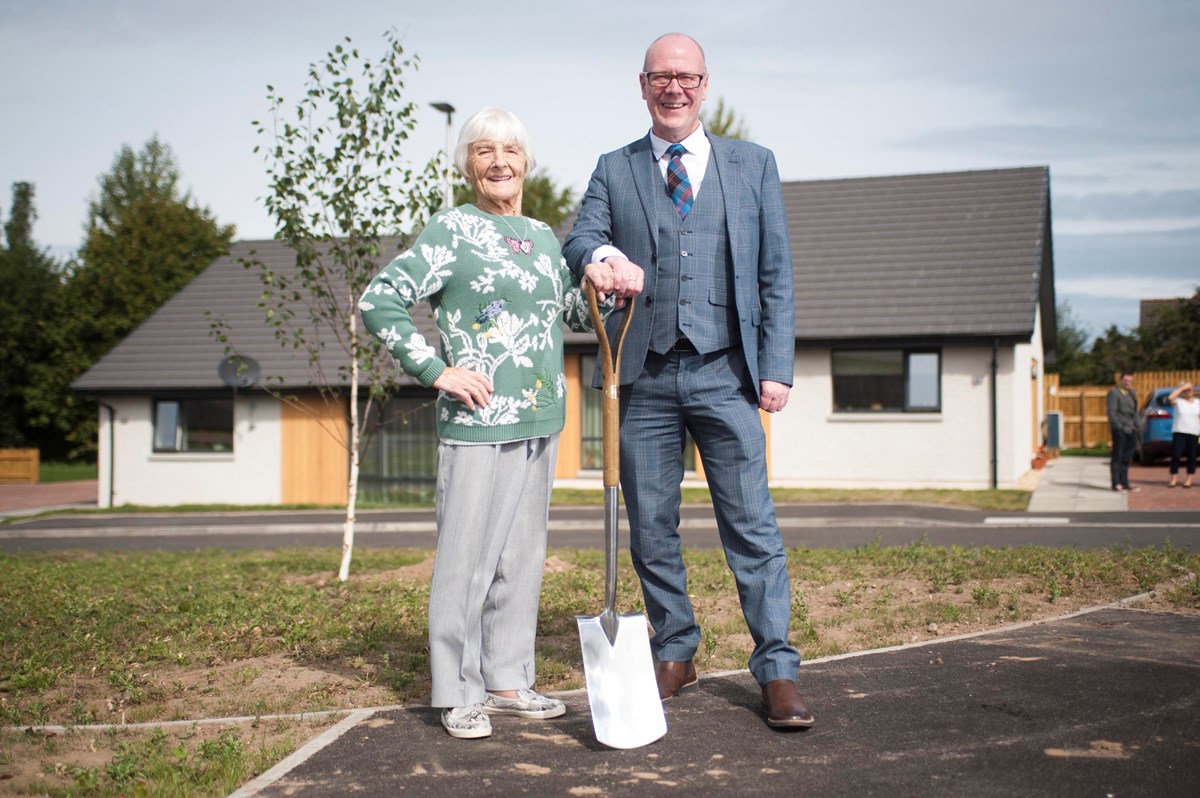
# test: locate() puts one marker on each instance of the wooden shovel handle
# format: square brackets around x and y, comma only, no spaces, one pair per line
[610,366]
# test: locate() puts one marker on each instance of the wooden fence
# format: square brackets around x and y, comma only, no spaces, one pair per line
[1084,407]
[18,466]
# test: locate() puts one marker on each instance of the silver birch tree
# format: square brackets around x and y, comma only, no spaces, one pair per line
[343,198]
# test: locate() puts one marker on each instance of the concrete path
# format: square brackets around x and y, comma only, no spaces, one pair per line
[1075,484]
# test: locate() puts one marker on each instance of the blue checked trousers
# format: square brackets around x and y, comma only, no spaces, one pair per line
[708,396]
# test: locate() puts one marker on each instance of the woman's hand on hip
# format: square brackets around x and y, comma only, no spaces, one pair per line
[469,387]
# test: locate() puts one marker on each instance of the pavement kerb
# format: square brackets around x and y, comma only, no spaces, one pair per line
[174,724]
[282,768]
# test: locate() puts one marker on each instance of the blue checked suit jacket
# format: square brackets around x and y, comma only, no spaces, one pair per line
[618,209]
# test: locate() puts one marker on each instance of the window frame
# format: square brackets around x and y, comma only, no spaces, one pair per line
[399,448]
[185,439]
[906,406]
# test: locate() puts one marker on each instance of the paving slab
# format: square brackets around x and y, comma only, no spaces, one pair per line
[1103,703]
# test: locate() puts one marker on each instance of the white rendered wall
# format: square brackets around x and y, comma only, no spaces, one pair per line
[1028,405]
[811,446]
[248,475]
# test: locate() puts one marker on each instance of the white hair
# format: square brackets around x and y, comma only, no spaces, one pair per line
[493,124]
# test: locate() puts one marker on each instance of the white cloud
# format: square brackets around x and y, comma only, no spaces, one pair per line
[1138,288]
[1162,224]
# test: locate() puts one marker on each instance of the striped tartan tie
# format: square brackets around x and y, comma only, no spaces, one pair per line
[678,185]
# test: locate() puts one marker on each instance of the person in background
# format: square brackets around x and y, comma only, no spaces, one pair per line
[500,290]
[1185,431]
[1122,424]
[700,221]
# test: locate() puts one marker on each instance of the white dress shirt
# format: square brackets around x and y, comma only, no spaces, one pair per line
[695,161]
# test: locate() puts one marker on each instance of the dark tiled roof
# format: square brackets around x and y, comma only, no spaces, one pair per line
[173,349]
[919,257]
[959,254]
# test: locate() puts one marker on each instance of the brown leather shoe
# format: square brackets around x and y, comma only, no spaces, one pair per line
[673,677]
[786,708]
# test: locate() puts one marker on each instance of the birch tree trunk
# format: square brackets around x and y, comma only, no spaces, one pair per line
[355,439]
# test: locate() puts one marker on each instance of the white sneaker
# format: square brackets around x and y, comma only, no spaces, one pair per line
[467,723]
[527,704]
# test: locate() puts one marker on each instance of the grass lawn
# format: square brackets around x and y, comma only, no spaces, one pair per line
[66,472]
[1099,450]
[127,637]
[988,500]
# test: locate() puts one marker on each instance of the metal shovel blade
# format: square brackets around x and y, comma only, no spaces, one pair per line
[622,692]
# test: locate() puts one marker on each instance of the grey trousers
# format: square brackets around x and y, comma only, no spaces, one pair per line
[493,504]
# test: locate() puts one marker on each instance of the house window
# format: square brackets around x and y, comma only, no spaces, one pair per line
[398,463]
[193,425]
[886,380]
[591,450]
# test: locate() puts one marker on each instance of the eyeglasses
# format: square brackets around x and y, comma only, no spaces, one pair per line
[660,80]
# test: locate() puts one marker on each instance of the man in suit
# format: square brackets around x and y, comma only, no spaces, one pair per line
[700,232]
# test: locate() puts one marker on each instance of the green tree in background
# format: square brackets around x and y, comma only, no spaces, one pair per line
[1171,341]
[540,199]
[31,289]
[1073,363]
[721,120]
[145,240]
[1114,352]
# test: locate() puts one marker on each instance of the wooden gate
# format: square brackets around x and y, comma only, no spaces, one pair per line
[18,466]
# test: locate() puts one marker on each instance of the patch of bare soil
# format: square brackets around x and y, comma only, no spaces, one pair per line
[36,762]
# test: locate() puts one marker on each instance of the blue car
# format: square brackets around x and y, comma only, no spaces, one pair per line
[1155,427]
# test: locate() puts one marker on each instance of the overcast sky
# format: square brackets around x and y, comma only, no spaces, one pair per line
[1104,92]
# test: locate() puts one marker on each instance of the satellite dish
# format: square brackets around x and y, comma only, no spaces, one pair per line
[238,371]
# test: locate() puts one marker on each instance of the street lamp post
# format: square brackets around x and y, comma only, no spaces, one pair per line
[448,110]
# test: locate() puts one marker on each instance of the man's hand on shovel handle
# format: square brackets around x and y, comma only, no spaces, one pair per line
[618,276]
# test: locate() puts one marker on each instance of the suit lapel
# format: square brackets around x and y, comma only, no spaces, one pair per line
[646,181]
[725,157]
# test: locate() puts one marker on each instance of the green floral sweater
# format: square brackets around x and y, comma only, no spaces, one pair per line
[500,290]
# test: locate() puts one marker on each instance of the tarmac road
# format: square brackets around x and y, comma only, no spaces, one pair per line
[1071,505]
[812,526]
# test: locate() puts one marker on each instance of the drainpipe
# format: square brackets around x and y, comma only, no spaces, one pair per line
[995,423]
[112,475]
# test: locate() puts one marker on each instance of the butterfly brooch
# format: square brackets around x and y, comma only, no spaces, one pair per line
[524,247]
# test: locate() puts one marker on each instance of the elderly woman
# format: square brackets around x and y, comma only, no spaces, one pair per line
[500,290]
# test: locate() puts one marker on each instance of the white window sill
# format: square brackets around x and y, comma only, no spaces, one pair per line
[191,457]
[884,417]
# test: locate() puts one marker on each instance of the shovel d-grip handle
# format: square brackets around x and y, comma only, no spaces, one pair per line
[610,365]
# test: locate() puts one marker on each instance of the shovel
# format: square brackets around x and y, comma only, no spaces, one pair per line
[622,691]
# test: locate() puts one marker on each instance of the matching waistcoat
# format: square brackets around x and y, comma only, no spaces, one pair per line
[694,284]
